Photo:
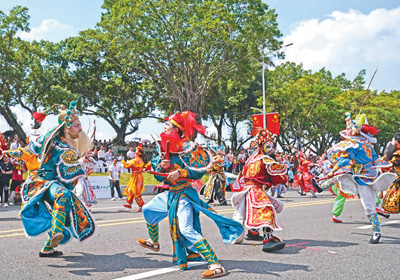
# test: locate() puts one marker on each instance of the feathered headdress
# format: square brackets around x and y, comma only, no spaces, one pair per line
[360,126]
[67,116]
[186,123]
[139,149]
[264,136]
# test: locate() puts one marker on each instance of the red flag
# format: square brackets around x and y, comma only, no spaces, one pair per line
[273,122]
[258,121]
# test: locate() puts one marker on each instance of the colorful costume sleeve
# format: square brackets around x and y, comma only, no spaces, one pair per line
[26,155]
[342,161]
[69,168]
[191,165]
[127,164]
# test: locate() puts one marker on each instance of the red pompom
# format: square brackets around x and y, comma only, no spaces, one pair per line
[187,124]
[39,117]
[371,130]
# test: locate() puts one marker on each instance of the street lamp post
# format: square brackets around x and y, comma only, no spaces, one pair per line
[263,90]
[263,86]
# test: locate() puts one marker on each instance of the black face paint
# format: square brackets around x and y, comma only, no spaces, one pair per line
[389,150]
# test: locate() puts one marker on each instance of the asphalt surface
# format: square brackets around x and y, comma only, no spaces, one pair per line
[316,248]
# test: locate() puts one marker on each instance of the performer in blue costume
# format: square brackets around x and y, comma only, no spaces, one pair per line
[356,156]
[49,203]
[181,160]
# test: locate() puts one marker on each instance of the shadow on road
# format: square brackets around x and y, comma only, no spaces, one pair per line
[260,267]
[10,219]
[294,246]
[86,264]
[384,239]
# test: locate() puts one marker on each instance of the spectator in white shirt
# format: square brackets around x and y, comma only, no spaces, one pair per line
[241,159]
[14,145]
[130,154]
[109,155]
[101,155]
[115,172]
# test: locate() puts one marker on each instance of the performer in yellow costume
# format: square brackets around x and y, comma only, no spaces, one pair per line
[135,186]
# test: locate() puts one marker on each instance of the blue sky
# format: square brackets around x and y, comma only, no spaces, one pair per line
[342,36]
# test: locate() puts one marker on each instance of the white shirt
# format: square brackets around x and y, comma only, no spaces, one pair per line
[241,157]
[14,146]
[130,154]
[114,169]
[109,156]
[101,154]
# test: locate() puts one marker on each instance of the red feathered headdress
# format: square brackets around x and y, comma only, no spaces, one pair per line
[187,124]
[371,130]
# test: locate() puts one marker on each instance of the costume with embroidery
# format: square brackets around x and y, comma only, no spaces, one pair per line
[305,176]
[255,208]
[356,156]
[181,203]
[135,187]
[83,188]
[215,187]
[49,203]
[391,202]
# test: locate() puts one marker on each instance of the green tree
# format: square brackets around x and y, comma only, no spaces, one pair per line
[13,62]
[311,105]
[184,47]
[229,100]
[108,87]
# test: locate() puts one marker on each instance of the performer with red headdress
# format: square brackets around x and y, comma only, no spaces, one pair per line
[135,186]
[255,208]
[181,161]
[305,176]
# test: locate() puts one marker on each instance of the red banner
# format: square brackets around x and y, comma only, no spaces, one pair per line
[258,121]
[272,122]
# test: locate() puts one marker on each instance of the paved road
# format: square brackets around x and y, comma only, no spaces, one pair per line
[316,247]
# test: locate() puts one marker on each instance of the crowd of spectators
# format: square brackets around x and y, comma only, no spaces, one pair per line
[104,153]
[11,172]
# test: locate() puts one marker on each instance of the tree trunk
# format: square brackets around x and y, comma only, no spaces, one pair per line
[11,121]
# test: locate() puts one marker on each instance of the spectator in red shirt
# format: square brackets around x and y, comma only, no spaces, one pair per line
[17,177]
[17,195]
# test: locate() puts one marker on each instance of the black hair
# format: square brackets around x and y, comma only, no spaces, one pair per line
[179,131]
[397,136]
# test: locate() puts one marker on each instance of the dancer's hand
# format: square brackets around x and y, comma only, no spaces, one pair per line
[174,175]
[165,164]
[330,175]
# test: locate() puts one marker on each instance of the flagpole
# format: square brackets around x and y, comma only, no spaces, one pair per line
[263,89]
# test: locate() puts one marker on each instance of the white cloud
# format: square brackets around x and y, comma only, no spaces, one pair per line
[348,42]
[49,29]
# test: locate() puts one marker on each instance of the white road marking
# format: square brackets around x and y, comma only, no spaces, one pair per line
[382,224]
[104,208]
[159,271]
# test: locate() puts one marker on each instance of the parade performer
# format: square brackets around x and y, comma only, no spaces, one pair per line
[216,185]
[391,202]
[49,203]
[356,153]
[135,186]
[255,208]
[340,197]
[305,176]
[179,162]
[83,188]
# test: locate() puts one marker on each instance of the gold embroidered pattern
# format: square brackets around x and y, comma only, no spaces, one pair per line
[69,157]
